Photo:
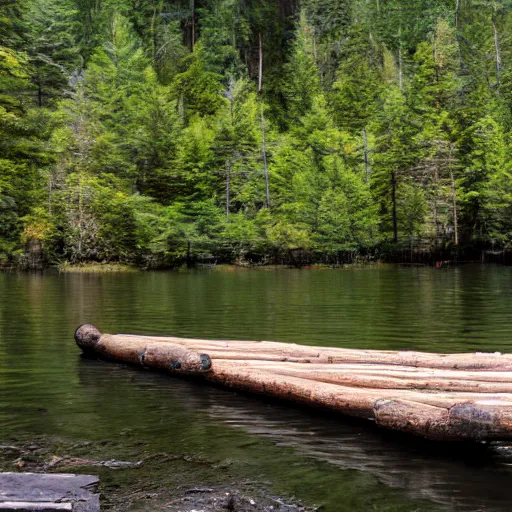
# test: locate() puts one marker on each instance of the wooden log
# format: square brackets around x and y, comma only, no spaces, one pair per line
[390,379]
[350,401]
[397,381]
[224,370]
[233,350]
[438,396]
[412,417]
[291,352]
[382,370]
[140,351]
[468,420]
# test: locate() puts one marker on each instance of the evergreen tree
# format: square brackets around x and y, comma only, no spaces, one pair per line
[484,182]
[395,155]
[52,48]
[199,90]
[434,96]
[22,130]
[301,81]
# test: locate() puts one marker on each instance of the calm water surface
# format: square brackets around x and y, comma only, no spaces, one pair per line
[47,389]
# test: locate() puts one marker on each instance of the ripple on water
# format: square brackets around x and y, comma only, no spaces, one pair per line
[47,389]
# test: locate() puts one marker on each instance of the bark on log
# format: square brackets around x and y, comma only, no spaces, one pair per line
[397,381]
[292,352]
[412,417]
[225,371]
[468,420]
[140,351]
[390,379]
[438,396]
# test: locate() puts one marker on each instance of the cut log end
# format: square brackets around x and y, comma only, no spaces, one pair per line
[206,362]
[87,337]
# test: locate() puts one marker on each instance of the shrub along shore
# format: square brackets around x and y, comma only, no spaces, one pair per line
[290,259]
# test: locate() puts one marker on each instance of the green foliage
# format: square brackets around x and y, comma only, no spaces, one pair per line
[52,47]
[198,89]
[485,182]
[301,81]
[395,155]
[325,204]
[136,131]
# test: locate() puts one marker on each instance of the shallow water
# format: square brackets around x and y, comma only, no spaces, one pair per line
[47,389]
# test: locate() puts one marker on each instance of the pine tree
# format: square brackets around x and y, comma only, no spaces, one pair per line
[236,146]
[52,48]
[434,95]
[199,90]
[301,80]
[484,180]
[22,131]
[395,155]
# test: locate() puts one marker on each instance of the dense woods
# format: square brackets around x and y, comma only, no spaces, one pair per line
[158,132]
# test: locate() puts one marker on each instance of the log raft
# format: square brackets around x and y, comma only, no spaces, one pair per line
[436,396]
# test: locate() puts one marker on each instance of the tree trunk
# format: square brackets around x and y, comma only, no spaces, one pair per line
[496,47]
[365,156]
[454,208]
[228,186]
[153,35]
[315,53]
[260,64]
[189,254]
[39,92]
[193,22]
[400,61]
[50,195]
[262,121]
[436,213]
[264,156]
[80,217]
[393,201]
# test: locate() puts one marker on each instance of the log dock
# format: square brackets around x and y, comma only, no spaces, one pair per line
[436,396]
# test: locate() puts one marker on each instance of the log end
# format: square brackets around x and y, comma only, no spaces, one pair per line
[415,418]
[205,362]
[87,337]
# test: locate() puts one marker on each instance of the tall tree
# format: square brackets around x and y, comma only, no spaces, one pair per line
[395,155]
[52,47]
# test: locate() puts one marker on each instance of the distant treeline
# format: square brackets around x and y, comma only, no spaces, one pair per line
[158,131]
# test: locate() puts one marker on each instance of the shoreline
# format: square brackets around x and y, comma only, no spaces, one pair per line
[293,258]
[199,483]
[124,268]
[95,268]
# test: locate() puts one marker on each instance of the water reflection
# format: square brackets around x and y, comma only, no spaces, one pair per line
[462,478]
[47,389]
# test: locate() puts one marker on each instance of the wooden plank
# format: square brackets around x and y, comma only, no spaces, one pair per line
[25,506]
[49,491]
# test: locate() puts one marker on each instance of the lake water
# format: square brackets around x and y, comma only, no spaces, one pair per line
[48,391]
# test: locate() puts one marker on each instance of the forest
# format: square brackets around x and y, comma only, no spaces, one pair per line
[158,132]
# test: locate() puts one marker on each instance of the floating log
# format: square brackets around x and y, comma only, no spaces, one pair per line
[436,396]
